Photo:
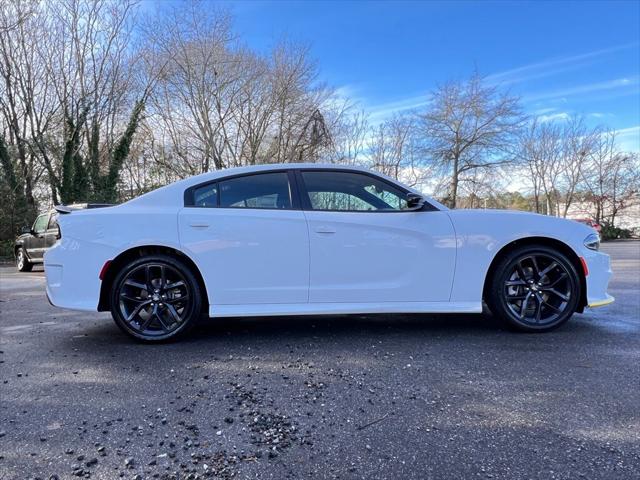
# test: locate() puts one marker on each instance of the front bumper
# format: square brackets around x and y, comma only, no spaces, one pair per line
[599,265]
[602,303]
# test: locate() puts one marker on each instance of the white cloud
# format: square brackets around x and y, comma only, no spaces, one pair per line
[346,92]
[385,110]
[616,84]
[552,66]
[628,139]
[543,111]
[380,112]
[562,116]
[629,131]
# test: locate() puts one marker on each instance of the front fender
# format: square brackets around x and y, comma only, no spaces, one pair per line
[482,234]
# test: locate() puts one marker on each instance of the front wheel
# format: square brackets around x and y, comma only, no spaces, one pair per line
[155,298]
[534,289]
[22,264]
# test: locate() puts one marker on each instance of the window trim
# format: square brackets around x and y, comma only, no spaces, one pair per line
[299,195]
[293,191]
[49,227]
[306,201]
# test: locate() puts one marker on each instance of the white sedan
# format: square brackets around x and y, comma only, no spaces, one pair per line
[300,239]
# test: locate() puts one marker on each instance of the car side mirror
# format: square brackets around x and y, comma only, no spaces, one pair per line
[414,201]
[25,230]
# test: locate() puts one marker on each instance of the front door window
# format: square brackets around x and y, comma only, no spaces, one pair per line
[350,191]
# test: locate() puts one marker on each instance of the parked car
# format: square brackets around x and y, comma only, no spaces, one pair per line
[591,223]
[303,239]
[30,246]
[34,241]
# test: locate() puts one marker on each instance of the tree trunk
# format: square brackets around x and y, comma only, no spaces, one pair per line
[453,195]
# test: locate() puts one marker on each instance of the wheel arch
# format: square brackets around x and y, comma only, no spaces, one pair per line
[141,251]
[547,242]
[17,246]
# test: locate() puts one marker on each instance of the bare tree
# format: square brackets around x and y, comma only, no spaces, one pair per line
[350,132]
[393,150]
[556,157]
[66,70]
[467,126]
[624,179]
[216,104]
[611,178]
[24,106]
[97,103]
[578,143]
[541,152]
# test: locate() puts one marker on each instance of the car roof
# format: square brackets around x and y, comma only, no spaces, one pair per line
[228,172]
[169,194]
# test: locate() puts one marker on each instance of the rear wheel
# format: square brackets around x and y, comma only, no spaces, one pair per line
[155,298]
[534,289]
[22,263]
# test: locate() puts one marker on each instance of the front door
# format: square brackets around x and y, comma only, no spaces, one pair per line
[249,240]
[367,248]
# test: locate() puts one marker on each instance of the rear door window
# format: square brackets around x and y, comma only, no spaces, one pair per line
[206,196]
[265,190]
[40,225]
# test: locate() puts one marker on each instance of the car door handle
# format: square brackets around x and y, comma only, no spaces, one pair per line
[199,225]
[325,230]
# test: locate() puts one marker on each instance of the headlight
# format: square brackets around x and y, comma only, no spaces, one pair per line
[592,242]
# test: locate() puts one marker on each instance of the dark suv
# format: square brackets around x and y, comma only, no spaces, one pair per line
[31,245]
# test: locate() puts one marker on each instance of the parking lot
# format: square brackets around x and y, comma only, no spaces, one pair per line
[321,397]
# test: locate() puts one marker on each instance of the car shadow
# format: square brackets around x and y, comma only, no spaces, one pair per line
[347,325]
[274,340]
[279,331]
[291,327]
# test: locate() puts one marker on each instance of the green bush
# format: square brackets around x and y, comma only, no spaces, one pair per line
[6,249]
[609,232]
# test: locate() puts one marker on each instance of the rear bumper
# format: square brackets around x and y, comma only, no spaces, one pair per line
[72,275]
[48,298]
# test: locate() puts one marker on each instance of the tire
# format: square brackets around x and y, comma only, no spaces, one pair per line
[22,263]
[534,289]
[155,298]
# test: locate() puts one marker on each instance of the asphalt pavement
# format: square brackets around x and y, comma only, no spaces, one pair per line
[349,397]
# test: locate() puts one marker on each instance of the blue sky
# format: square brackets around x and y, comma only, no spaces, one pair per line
[560,57]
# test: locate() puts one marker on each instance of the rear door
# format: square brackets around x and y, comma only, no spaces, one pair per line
[249,238]
[367,248]
[52,233]
[34,245]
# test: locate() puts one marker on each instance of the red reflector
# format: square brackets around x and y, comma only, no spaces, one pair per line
[104,269]
[584,266]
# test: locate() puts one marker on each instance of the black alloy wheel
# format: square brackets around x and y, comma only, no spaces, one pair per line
[535,289]
[155,298]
